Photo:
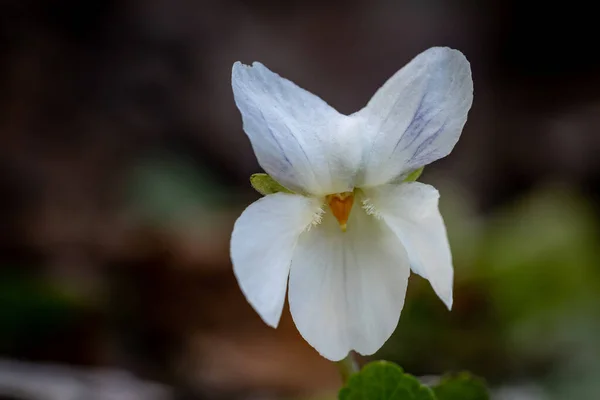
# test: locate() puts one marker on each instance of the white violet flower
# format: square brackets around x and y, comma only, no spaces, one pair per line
[351,231]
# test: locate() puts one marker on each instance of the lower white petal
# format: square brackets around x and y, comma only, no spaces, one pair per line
[347,289]
[411,211]
[262,243]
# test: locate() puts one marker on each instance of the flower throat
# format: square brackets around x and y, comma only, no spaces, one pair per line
[341,205]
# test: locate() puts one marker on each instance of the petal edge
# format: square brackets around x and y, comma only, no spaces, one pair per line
[299,139]
[417,116]
[262,243]
[347,289]
[411,212]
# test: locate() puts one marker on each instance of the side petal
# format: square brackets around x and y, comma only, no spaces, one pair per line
[262,243]
[417,116]
[347,289]
[411,211]
[296,136]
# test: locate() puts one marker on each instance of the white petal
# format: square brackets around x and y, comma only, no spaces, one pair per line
[300,140]
[347,288]
[263,241]
[417,116]
[411,211]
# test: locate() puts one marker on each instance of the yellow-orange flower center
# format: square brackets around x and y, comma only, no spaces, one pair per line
[340,205]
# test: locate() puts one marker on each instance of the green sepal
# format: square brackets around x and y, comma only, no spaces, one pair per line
[413,176]
[264,184]
[462,386]
[383,380]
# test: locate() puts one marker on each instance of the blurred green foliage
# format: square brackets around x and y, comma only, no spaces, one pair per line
[463,386]
[31,311]
[169,190]
[527,280]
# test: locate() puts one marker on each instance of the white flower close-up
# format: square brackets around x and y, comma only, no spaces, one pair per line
[348,236]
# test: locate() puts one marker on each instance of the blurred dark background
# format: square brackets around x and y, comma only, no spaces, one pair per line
[123,166]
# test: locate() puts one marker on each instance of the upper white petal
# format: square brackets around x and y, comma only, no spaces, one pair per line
[300,140]
[347,289]
[417,116]
[411,211]
[263,241]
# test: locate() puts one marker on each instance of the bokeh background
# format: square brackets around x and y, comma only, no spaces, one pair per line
[123,166]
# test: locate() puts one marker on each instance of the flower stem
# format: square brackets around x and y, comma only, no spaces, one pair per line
[347,367]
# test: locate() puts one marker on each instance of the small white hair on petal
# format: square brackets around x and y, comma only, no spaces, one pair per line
[316,219]
[370,208]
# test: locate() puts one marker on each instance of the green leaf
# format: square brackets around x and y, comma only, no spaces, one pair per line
[382,380]
[264,184]
[413,176]
[462,386]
